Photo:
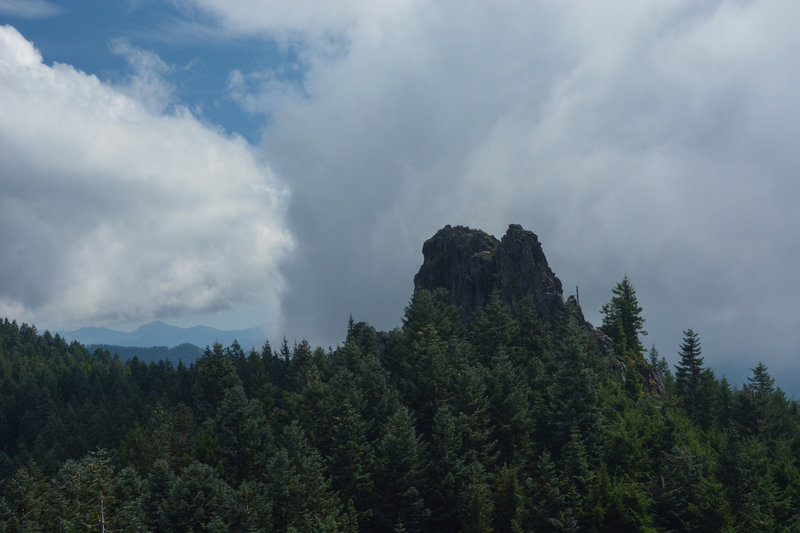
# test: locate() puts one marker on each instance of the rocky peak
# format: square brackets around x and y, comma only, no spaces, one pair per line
[522,271]
[470,264]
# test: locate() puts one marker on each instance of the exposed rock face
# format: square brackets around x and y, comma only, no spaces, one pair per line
[470,264]
[461,260]
[522,271]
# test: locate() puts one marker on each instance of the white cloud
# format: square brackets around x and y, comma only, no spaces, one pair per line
[32,9]
[289,20]
[259,92]
[147,83]
[111,211]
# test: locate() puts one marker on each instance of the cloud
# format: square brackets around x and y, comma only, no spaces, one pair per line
[260,91]
[114,212]
[300,20]
[653,139]
[147,82]
[30,9]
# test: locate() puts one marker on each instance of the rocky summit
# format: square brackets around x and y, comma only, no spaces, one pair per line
[470,264]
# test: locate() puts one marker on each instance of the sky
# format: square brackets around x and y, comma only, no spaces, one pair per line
[280,164]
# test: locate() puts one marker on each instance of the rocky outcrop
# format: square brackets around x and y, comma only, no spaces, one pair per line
[522,272]
[471,264]
[461,260]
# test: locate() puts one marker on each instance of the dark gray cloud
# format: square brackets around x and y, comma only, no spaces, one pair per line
[649,139]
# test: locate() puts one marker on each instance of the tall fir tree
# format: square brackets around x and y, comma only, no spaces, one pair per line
[689,374]
[623,321]
[761,387]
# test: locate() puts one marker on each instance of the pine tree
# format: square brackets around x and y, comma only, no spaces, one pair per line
[579,474]
[659,363]
[86,487]
[688,373]
[28,492]
[548,506]
[128,492]
[761,383]
[509,407]
[243,434]
[199,500]
[313,409]
[493,328]
[690,499]
[157,487]
[214,375]
[575,386]
[352,460]
[400,478]
[299,365]
[622,320]
[761,387]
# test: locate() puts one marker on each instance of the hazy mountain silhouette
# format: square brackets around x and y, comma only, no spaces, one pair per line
[162,334]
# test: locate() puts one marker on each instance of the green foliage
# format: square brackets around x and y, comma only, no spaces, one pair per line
[215,375]
[623,321]
[507,423]
[400,476]
[693,383]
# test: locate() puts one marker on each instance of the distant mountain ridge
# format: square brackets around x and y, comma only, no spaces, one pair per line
[162,334]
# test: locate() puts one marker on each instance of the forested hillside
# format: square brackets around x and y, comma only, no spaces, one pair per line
[507,422]
[187,353]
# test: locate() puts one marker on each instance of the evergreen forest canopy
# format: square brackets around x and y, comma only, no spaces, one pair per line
[506,422]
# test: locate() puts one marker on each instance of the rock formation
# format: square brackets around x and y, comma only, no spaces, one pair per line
[470,264]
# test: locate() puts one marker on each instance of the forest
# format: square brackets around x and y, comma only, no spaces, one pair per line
[501,423]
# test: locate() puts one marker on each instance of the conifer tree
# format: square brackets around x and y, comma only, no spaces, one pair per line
[243,434]
[509,407]
[352,460]
[493,328]
[299,365]
[214,376]
[660,364]
[575,386]
[547,506]
[688,373]
[623,321]
[128,492]
[761,383]
[199,500]
[400,477]
[760,387]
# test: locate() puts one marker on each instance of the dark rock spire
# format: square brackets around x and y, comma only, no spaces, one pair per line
[471,264]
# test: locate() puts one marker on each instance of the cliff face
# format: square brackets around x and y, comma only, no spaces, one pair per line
[470,264]
[461,260]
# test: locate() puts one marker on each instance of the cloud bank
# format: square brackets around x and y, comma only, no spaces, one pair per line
[115,211]
[641,138]
[649,139]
